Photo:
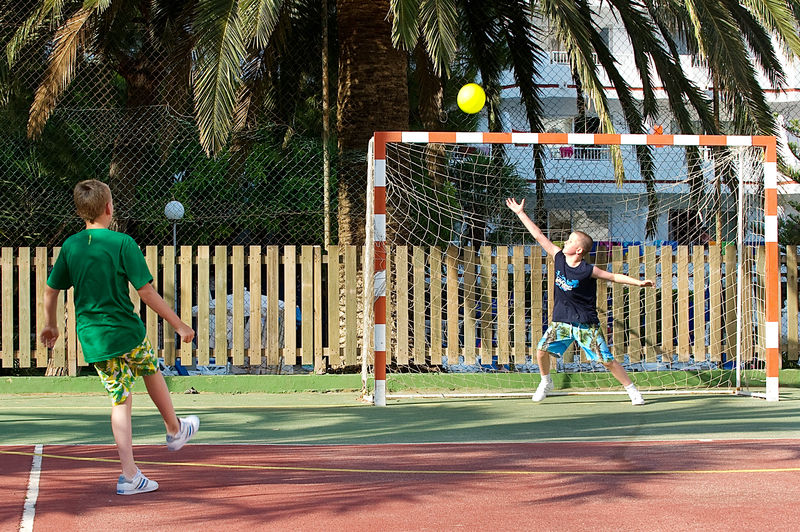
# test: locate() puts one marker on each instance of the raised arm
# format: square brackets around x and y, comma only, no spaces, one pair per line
[153,299]
[598,273]
[519,210]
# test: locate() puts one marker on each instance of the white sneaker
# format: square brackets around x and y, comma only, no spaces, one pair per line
[189,426]
[542,390]
[636,397]
[138,484]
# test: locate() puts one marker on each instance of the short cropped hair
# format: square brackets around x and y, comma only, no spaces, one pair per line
[91,197]
[586,242]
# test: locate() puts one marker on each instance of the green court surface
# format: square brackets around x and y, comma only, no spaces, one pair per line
[340,418]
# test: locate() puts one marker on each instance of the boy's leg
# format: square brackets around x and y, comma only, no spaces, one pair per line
[179,431]
[546,384]
[590,338]
[543,359]
[123,436]
[159,393]
[117,379]
[554,342]
[619,373]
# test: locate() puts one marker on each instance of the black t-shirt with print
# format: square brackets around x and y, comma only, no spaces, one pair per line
[574,292]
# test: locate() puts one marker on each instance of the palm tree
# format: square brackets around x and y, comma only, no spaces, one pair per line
[723,39]
[89,34]
[372,96]
[220,60]
[220,56]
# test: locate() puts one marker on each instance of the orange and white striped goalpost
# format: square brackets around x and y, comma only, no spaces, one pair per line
[378,218]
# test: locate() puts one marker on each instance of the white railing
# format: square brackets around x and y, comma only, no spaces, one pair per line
[585,153]
[561,57]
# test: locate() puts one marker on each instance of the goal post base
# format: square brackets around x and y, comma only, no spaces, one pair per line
[379,397]
[772,389]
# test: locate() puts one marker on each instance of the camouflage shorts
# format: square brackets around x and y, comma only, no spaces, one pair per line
[119,373]
[559,336]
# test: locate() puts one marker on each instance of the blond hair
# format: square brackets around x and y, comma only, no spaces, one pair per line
[91,197]
[586,242]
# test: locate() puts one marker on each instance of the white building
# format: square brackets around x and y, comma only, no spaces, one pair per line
[581,190]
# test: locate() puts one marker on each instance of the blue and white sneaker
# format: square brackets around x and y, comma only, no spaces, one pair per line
[189,426]
[139,484]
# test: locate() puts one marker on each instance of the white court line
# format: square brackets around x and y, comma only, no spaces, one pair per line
[26,525]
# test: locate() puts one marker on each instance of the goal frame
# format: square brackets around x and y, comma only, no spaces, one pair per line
[375,280]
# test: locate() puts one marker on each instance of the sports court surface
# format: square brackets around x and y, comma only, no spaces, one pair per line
[328,462]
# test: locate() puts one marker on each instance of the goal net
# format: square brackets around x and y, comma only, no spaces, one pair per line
[463,293]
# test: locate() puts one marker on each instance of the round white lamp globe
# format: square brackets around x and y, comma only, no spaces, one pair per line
[174,210]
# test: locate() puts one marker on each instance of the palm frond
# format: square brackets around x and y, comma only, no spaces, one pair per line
[255,85]
[525,56]
[60,69]
[760,43]
[172,23]
[777,19]
[405,23]
[259,18]
[47,12]
[439,23]
[677,86]
[482,37]
[575,27]
[217,72]
[724,47]
[644,45]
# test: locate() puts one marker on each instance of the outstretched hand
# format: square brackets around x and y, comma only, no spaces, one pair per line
[514,206]
[647,282]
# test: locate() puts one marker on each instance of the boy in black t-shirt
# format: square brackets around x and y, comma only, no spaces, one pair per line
[574,312]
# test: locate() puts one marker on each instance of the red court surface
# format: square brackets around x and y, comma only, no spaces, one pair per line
[676,485]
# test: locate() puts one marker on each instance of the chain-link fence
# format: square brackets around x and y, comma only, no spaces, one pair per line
[127,118]
[270,192]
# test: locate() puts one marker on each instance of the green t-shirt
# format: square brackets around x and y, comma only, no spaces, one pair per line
[100,263]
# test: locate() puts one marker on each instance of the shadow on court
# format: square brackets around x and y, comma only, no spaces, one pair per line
[341,419]
[509,486]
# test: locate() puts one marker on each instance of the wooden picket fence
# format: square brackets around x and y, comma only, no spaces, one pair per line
[288,278]
[502,317]
[326,287]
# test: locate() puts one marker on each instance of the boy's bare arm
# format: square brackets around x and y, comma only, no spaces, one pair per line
[153,299]
[598,273]
[519,210]
[49,333]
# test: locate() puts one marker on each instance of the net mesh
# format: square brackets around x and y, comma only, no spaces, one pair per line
[469,290]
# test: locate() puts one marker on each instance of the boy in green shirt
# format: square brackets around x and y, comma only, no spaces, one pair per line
[100,263]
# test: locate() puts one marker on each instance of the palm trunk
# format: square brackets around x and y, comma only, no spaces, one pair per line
[372,96]
[133,144]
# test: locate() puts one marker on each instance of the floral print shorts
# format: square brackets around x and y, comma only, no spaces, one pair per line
[559,336]
[119,373]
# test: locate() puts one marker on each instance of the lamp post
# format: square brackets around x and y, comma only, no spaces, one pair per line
[174,212]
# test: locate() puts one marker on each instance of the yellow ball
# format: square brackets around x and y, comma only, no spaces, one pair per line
[471,98]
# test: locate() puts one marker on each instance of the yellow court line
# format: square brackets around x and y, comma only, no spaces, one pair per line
[185,407]
[414,471]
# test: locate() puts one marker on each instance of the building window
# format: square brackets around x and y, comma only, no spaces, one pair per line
[562,222]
